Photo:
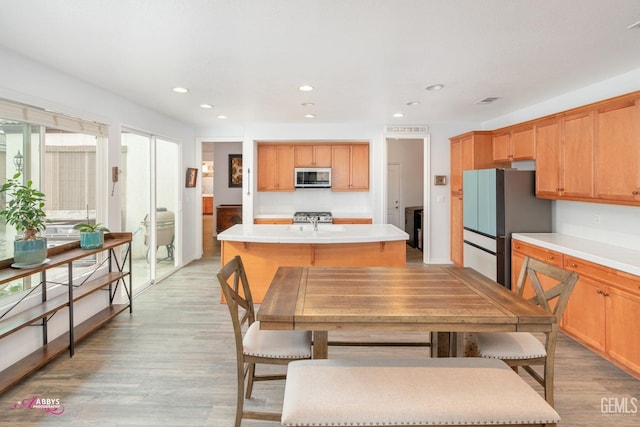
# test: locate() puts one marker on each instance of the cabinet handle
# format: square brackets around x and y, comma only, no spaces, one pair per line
[550,256]
[606,294]
[574,265]
[517,246]
[599,291]
[635,193]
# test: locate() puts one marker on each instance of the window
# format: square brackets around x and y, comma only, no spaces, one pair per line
[60,155]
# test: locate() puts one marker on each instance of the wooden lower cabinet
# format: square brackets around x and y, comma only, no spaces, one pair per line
[352,221]
[602,312]
[273,220]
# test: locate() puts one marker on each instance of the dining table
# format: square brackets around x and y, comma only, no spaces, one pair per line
[444,300]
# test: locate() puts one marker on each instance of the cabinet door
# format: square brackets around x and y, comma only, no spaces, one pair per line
[303,156]
[267,161]
[456,165]
[322,156]
[359,167]
[547,135]
[623,323]
[585,313]
[523,143]
[576,172]
[617,151]
[340,167]
[502,147]
[456,248]
[285,168]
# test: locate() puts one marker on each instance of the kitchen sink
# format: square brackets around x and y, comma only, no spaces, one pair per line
[321,228]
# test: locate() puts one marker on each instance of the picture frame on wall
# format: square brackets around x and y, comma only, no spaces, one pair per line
[235,170]
[192,176]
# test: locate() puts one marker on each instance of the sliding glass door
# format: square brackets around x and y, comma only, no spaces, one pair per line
[150,186]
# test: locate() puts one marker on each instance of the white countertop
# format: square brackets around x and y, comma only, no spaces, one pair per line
[303,233]
[619,258]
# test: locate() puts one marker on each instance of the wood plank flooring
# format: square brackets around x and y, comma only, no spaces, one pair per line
[172,363]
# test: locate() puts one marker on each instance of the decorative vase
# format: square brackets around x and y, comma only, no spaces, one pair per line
[91,239]
[29,252]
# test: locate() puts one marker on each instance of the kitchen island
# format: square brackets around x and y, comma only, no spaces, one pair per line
[265,247]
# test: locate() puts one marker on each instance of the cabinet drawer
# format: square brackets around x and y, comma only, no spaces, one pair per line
[541,254]
[602,274]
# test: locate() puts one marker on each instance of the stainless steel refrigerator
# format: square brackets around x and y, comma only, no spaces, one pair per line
[497,203]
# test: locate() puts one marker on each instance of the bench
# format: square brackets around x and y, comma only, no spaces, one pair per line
[411,392]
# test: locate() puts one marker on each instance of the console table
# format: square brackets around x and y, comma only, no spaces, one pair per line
[118,263]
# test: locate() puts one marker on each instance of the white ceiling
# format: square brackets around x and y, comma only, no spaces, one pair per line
[365,58]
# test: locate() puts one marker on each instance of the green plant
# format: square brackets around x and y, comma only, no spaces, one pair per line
[90,228]
[25,209]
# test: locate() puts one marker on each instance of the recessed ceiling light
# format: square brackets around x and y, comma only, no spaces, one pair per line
[413,103]
[221,116]
[308,104]
[397,115]
[180,89]
[306,88]
[435,87]
[309,116]
[206,106]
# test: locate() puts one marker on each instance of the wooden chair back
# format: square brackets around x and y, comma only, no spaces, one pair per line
[545,297]
[237,294]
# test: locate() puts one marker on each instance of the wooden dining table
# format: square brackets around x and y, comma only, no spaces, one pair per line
[436,299]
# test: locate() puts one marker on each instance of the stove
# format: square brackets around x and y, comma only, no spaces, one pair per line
[303,217]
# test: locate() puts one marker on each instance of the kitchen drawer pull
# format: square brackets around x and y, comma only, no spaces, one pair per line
[635,193]
[550,256]
[599,291]
[574,265]
[606,294]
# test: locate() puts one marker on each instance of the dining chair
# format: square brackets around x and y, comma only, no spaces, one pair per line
[523,348]
[253,345]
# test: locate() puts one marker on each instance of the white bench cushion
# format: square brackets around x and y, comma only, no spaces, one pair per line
[457,391]
[510,345]
[276,344]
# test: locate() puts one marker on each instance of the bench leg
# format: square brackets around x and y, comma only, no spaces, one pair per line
[320,344]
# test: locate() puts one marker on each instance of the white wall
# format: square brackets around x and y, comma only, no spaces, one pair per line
[616,225]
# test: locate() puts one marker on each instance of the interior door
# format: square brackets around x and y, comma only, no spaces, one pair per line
[393,195]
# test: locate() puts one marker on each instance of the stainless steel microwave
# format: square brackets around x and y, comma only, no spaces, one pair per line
[313,177]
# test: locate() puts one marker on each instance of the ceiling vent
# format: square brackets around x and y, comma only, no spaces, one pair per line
[487,100]
[407,129]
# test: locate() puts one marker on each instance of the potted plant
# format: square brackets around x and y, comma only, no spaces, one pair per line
[91,235]
[25,211]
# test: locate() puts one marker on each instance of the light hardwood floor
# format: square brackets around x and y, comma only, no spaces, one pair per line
[172,363]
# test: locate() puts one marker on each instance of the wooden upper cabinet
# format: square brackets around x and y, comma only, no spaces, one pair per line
[502,146]
[312,156]
[515,143]
[576,155]
[275,167]
[617,150]
[350,167]
[523,146]
[547,135]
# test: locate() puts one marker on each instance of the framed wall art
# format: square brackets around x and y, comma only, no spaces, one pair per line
[235,170]
[192,176]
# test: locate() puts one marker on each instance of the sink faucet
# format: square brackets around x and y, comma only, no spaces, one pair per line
[313,219]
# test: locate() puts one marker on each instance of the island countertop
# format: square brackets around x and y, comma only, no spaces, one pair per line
[304,233]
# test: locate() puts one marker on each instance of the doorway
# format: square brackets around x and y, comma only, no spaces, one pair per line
[405,184]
